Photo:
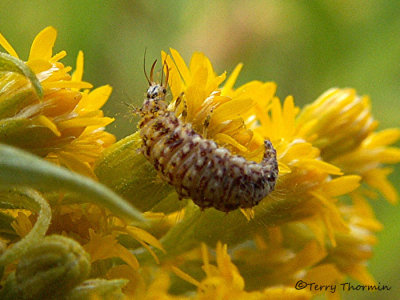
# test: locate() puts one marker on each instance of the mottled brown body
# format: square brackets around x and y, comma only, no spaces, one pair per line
[198,169]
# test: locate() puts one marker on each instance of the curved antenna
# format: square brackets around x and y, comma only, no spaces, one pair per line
[152,70]
[166,76]
[144,66]
[166,72]
[162,73]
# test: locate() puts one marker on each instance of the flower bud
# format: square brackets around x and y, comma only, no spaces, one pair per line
[337,122]
[52,267]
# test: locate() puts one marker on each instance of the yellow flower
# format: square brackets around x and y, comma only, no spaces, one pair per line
[224,281]
[240,119]
[67,125]
[100,233]
[333,118]
[354,248]
[47,111]
[367,160]
[302,230]
[274,261]
[307,185]
[218,113]
[22,225]
[340,123]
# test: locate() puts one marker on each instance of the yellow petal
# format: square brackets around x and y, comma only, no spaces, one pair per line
[152,253]
[126,256]
[143,235]
[198,61]
[224,139]
[230,82]
[341,185]
[360,273]
[230,110]
[42,46]
[174,80]
[6,45]
[76,165]
[97,98]
[299,150]
[318,164]
[283,168]
[180,64]
[248,213]
[313,223]
[196,96]
[43,120]
[77,76]
[278,121]
[377,178]
[67,84]
[184,276]
[389,155]
[22,225]
[383,138]
[38,65]
[58,56]
[214,82]
[82,122]
[289,114]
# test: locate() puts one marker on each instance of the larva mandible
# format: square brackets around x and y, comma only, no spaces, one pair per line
[198,169]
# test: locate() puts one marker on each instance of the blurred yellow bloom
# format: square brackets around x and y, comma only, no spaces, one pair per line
[271,262]
[22,225]
[224,281]
[340,123]
[67,125]
[307,185]
[47,111]
[333,118]
[368,159]
[99,231]
[354,248]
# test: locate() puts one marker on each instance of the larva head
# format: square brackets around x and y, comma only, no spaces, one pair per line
[156,92]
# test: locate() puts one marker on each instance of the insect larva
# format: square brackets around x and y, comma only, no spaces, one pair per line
[198,169]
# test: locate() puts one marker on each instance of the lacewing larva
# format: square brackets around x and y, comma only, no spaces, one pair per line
[198,169]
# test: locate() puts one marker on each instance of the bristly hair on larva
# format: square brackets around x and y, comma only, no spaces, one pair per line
[197,168]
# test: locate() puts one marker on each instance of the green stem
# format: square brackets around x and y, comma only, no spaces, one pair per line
[37,232]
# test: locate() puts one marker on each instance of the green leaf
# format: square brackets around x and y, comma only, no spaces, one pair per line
[18,167]
[13,64]
[210,226]
[123,168]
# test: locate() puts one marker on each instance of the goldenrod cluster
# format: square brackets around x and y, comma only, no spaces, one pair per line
[109,228]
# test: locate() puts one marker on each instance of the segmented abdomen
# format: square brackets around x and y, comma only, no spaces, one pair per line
[198,169]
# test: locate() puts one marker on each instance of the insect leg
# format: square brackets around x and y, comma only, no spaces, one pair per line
[178,102]
[207,122]
[132,108]
[185,110]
